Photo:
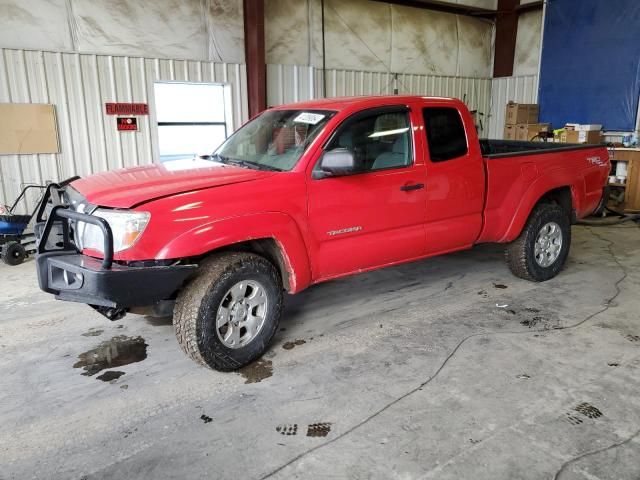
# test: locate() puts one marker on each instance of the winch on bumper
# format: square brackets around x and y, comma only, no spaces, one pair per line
[109,287]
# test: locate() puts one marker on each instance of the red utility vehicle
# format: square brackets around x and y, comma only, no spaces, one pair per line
[302,194]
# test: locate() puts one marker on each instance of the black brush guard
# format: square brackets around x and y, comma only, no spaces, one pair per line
[109,287]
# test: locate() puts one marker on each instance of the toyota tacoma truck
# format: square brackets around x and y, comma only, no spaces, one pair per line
[302,194]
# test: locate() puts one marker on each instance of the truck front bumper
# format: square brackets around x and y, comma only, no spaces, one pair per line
[74,277]
[101,283]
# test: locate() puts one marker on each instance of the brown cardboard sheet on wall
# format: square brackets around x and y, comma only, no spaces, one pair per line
[27,128]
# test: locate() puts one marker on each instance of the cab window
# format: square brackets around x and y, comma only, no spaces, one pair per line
[446,137]
[378,141]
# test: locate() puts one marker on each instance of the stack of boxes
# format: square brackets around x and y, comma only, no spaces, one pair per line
[521,122]
[580,133]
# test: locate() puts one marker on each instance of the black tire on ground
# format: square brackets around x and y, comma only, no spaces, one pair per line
[196,309]
[520,253]
[13,253]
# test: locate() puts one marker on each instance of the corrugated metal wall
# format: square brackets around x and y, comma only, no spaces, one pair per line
[79,85]
[291,83]
[522,89]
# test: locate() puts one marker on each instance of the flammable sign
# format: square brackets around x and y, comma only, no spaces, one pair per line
[127,123]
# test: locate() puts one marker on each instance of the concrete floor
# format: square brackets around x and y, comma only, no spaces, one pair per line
[447,368]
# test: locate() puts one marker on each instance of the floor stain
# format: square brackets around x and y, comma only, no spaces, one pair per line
[532,310]
[257,371]
[613,364]
[483,293]
[206,418]
[118,351]
[287,429]
[588,410]
[532,322]
[110,375]
[633,338]
[290,345]
[93,332]
[318,429]
[573,420]
[159,321]
[542,323]
[499,285]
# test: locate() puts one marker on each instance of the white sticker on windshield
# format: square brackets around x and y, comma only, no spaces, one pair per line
[308,117]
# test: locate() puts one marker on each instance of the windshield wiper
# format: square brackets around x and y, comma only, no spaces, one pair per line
[244,163]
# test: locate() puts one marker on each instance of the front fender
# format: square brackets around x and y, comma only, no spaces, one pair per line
[220,233]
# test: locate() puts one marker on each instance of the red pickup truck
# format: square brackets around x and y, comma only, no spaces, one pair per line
[302,194]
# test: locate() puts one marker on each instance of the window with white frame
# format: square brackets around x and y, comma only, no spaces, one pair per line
[192,118]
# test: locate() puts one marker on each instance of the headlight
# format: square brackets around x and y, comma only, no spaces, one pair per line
[126,226]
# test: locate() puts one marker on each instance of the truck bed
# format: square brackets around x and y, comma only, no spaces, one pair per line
[517,173]
[510,148]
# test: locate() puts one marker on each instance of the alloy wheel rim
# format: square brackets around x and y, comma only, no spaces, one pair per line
[548,244]
[241,314]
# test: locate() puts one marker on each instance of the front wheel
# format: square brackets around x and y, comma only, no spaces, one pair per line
[541,250]
[226,317]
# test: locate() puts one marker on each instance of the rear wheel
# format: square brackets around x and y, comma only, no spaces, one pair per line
[226,317]
[541,250]
[13,253]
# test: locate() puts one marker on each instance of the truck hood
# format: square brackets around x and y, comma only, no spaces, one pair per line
[129,187]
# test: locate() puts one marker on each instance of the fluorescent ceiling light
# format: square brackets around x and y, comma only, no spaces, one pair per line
[384,133]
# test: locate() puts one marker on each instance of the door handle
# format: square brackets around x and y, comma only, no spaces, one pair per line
[415,186]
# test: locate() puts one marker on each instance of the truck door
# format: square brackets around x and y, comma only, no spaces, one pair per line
[377,216]
[455,180]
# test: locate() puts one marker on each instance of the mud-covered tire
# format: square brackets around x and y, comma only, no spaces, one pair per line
[195,311]
[13,253]
[520,254]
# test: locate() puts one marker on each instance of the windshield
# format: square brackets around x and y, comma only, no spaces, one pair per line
[275,140]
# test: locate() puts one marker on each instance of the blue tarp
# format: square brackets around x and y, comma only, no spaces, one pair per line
[590,67]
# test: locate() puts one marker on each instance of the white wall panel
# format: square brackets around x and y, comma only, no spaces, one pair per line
[79,85]
[522,89]
[210,30]
[290,83]
[376,36]
[527,53]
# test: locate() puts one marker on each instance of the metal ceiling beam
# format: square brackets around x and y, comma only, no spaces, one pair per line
[527,7]
[446,7]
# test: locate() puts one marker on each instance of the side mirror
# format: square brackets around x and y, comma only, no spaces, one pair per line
[337,162]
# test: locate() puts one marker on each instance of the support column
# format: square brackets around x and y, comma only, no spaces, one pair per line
[254,48]
[506,33]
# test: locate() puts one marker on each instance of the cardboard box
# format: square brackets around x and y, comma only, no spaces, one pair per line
[509,132]
[530,132]
[588,127]
[593,137]
[521,113]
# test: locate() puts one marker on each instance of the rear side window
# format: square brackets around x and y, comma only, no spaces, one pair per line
[445,133]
